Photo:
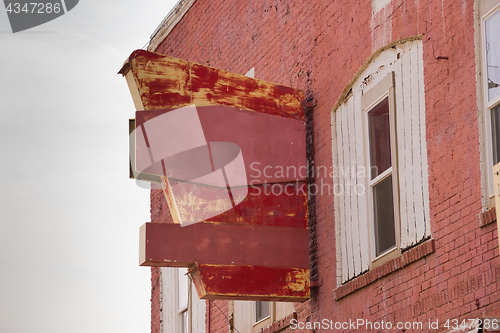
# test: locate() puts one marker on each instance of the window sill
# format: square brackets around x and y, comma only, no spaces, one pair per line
[408,257]
[279,324]
[262,320]
[487,217]
[262,323]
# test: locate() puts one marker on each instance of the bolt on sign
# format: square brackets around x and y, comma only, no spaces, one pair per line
[229,154]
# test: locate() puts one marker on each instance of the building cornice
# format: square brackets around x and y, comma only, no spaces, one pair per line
[168,23]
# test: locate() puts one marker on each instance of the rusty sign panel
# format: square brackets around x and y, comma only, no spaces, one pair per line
[229,153]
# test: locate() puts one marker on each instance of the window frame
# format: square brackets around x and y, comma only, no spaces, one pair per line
[182,311]
[369,100]
[257,320]
[244,314]
[488,108]
[265,321]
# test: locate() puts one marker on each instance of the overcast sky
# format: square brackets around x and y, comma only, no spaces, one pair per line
[69,215]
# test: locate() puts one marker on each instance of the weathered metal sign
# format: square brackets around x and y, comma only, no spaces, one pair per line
[229,153]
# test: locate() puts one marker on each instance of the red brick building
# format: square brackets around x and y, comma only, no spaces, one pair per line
[402,127]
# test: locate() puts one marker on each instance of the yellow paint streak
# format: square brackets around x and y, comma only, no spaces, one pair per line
[297,280]
[160,76]
[167,191]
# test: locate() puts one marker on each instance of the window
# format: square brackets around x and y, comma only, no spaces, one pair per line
[490,24]
[264,314]
[382,189]
[492,39]
[181,309]
[182,299]
[262,310]
[380,159]
[252,316]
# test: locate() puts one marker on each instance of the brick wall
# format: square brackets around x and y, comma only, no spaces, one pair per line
[317,46]
[216,316]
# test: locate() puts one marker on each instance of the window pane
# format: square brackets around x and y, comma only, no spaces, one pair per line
[262,310]
[492,26]
[183,288]
[379,138]
[495,132]
[385,229]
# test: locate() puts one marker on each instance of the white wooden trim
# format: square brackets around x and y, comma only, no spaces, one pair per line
[244,315]
[362,199]
[394,164]
[487,107]
[384,175]
[369,191]
[169,23]
[381,177]
[356,247]
[487,6]
[377,93]
[342,207]
[347,201]
[408,149]
[337,198]
[416,157]
[354,214]
[170,314]
[423,141]
[417,147]
[402,163]
[386,252]
[265,321]
[494,103]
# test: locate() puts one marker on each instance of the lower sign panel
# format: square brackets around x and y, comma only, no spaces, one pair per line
[252,283]
[233,261]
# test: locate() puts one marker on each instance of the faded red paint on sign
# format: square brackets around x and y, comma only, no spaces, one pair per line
[166,82]
[225,244]
[252,283]
[230,153]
